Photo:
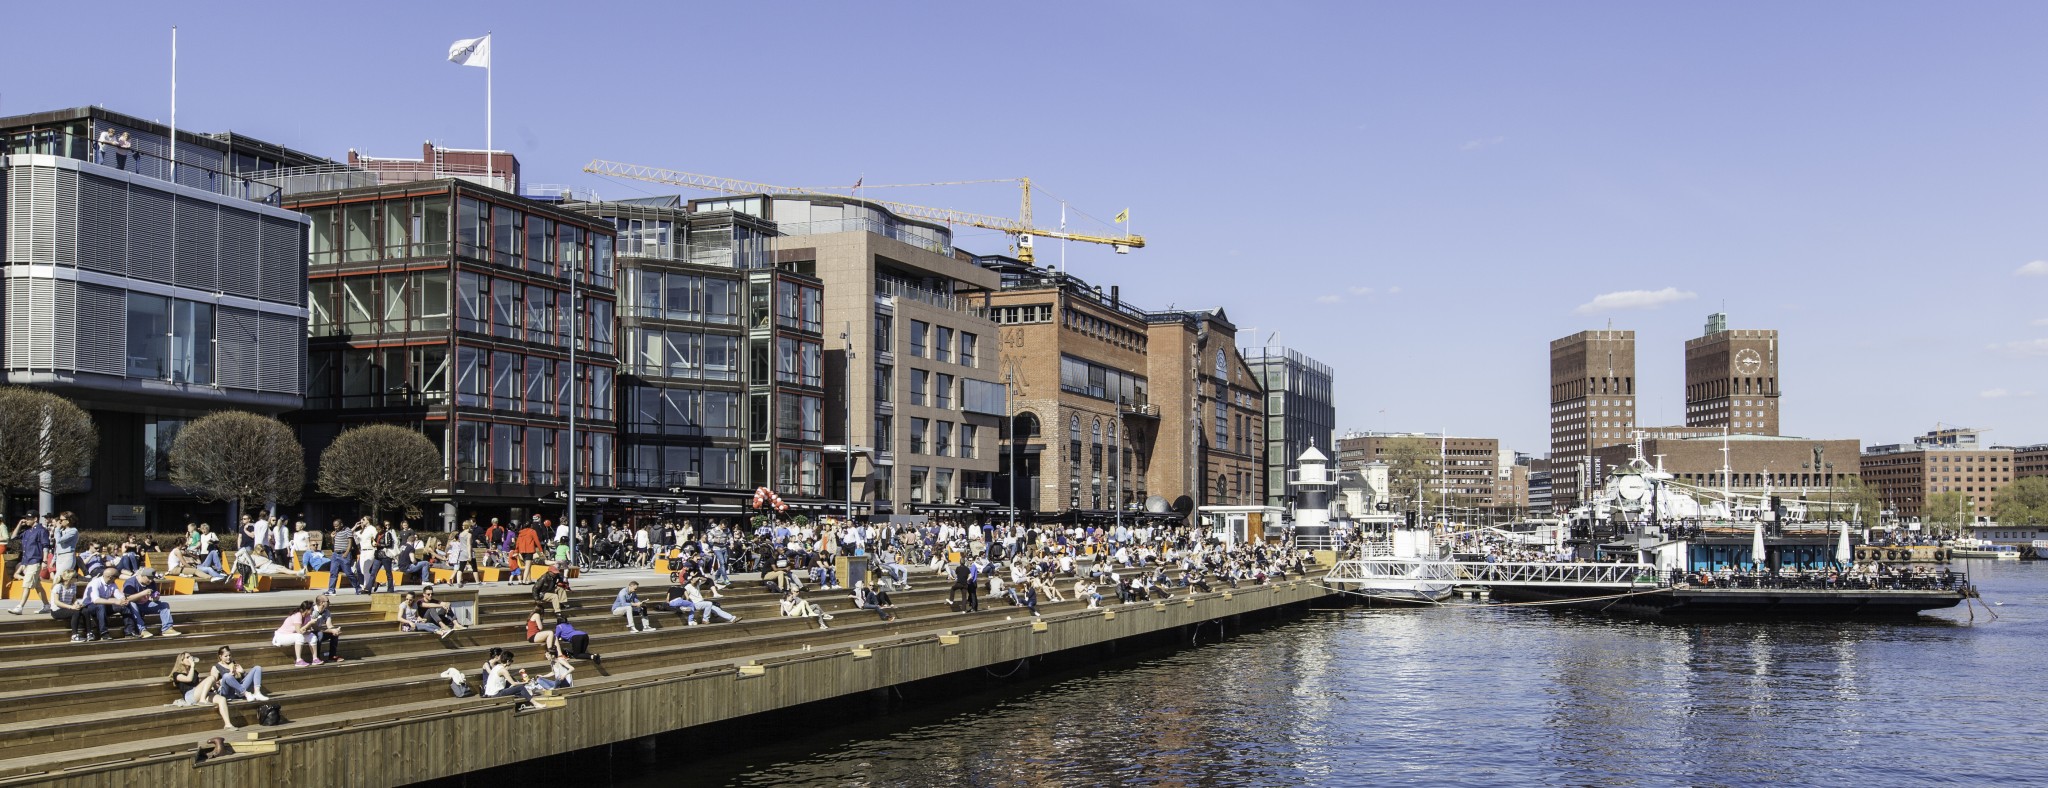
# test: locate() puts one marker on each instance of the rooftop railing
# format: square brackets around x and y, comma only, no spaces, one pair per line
[50,142]
[897,288]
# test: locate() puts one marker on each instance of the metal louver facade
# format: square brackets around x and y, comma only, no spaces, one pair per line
[97,258]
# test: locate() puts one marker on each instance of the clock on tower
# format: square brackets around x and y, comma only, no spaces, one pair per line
[1747,361]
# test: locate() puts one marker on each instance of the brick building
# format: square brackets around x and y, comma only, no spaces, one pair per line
[1592,405]
[1784,463]
[1905,476]
[1731,379]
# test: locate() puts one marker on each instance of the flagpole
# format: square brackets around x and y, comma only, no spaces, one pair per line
[490,149]
[174,104]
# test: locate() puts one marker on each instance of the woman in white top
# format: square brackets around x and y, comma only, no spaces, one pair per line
[462,556]
[498,681]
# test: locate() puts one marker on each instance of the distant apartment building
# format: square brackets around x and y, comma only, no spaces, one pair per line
[451,308]
[1301,411]
[1785,465]
[1539,488]
[1463,471]
[1905,476]
[1592,405]
[2028,460]
[151,279]
[1731,379]
[913,386]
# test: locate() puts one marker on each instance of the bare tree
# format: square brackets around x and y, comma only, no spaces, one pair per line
[241,458]
[42,433]
[382,467]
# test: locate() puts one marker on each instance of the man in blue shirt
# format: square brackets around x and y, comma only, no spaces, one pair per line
[35,549]
[141,596]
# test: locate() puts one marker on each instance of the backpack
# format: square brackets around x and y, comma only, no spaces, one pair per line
[270,715]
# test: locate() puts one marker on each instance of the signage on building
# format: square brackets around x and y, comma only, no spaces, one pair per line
[127,516]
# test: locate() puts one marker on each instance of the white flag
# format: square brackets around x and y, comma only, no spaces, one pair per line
[471,52]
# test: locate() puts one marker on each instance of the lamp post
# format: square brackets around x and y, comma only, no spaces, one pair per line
[575,336]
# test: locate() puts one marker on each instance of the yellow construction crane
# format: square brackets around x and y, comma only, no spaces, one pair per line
[1019,228]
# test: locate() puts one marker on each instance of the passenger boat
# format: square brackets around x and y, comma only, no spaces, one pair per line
[1646,545]
[1977,548]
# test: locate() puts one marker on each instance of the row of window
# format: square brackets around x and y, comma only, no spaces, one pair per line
[935,485]
[1087,378]
[1014,315]
[387,303]
[681,353]
[676,296]
[679,411]
[680,466]
[513,382]
[420,227]
[937,344]
[530,313]
[1089,325]
[941,434]
[798,306]
[514,454]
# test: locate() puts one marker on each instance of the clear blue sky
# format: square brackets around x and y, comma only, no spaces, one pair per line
[1421,194]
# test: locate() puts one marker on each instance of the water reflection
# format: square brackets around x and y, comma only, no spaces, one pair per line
[1484,697]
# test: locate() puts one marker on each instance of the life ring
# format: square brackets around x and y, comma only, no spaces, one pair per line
[1940,555]
[1891,555]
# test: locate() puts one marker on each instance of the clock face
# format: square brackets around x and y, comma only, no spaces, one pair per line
[1748,361]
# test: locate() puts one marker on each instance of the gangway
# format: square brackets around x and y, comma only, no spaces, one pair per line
[1433,579]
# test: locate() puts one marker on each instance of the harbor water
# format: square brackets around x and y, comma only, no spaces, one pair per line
[1475,696]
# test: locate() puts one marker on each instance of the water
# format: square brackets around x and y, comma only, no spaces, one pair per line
[1485,697]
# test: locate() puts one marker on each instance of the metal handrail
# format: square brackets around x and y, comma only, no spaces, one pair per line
[50,142]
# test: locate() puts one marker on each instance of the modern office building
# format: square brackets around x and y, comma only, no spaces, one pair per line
[1905,476]
[1731,379]
[151,281]
[1539,488]
[913,387]
[1301,411]
[687,332]
[1074,358]
[1592,404]
[447,306]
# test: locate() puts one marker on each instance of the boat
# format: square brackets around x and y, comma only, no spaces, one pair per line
[1646,545]
[2040,548]
[1978,548]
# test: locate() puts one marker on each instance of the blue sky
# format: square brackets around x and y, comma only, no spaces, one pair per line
[1422,194]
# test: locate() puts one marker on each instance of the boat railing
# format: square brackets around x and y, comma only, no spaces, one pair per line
[1818,581]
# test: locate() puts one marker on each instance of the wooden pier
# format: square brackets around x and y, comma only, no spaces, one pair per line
[94,714]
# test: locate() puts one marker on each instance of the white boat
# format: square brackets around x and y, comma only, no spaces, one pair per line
[1975,548]
[2040,548]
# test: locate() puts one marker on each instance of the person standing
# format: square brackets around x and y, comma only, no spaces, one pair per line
[462,554]
[104,146]
[366,556]
[527,546]
[35,549]
[341,561]
[64,541]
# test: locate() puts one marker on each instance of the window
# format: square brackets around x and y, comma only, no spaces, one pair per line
[966,349]
[942,485]
[942,393]
[942,439]
[942,346]
[920,380]
[918,429]
[191,342]
[885,333]
[1222,426]
[967,435]
[1222,365]
[149,328]
[884,380]
[981,396]
[882,429]
[506,233]
[472,227]
[917,477]
[918,329]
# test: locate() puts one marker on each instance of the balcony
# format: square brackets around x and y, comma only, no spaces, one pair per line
[50,142]
[896,288]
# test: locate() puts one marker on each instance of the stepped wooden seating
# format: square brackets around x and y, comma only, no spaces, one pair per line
[68,704]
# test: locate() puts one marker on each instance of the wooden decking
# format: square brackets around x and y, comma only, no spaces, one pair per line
[96,715]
